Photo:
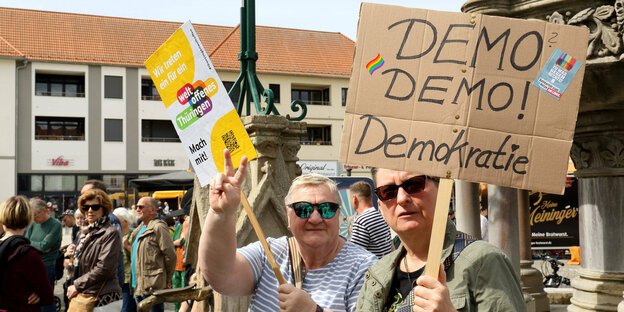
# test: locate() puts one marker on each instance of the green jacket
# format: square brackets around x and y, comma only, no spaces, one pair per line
[480,279]
[155,259]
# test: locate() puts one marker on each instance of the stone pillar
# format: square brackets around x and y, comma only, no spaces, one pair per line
[531,277]
[503,221]
[467,216]
[268,178]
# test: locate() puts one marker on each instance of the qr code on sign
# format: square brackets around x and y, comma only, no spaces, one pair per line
[230,141]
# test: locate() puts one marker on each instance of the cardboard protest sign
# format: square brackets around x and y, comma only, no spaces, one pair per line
[198,103]
[468,96]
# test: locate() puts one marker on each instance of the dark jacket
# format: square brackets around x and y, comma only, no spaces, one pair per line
[155,259]
[98,262]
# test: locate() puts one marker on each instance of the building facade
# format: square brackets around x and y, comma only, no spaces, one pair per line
[78,103]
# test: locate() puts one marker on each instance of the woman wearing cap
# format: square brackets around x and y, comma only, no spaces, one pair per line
[97,253]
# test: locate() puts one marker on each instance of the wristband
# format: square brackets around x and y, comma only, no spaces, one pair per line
[318,309]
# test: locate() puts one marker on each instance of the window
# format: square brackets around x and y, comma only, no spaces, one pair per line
[344,96]
[113,87]
[228,85]
[59,128]
[276,92]
[59,85]
[59,183]
[311,97]
[148,90]
[158,131]
[317,135]
[113,130]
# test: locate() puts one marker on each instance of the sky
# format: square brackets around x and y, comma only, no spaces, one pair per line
[324,15]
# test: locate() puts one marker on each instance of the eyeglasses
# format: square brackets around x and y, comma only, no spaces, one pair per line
[139,206]
[95,207]
[411,186]
[304,209]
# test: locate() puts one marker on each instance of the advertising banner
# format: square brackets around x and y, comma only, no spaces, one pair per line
[554,218]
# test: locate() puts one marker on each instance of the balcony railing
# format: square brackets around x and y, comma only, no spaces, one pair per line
[153,139]
[59,137]
[60,93]
[316,142]
[150,97]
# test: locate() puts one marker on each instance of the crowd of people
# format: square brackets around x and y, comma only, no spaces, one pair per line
[322,270]
[116,256]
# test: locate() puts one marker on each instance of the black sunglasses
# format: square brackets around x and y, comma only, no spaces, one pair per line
[95,207]
[411,186]
[304,209]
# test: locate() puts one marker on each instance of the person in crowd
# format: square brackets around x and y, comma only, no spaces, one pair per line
[153,254]
[94,183]
[179,241]
[69,230]
[45,235]
[23,277]
[170,221]
[476,275]
[369,229]
[126,219]
[79,217]
[332,268]
[94,265]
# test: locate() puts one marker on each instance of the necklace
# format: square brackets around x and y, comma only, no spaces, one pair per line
[409,279]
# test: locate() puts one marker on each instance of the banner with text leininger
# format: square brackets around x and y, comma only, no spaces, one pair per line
[198,103]
[469,96]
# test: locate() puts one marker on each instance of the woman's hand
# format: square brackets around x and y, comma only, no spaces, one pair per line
[33,298]
[71,292]
[432,294]
[294,299]
[225,187]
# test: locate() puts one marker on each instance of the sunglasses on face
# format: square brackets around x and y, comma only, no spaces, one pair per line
[411,186]
[304,209]
[95,207]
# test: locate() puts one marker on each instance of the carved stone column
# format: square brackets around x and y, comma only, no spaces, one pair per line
[268,178]
[598,148]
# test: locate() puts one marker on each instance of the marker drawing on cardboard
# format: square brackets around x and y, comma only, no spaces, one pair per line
[453,93]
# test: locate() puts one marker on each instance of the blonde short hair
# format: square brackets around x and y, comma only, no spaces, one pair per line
[312,179]
[15,213]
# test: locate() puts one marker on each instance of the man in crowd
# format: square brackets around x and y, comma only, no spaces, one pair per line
[369,229]
[152,252]
[333,268]
[475,276]
[45,235]
[70,229]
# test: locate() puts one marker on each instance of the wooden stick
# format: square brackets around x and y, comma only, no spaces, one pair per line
[265,245]
[439,228]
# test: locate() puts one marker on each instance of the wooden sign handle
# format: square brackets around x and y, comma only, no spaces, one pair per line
[439,228]
[265,245]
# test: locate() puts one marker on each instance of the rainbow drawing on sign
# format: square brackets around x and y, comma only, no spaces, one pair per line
[375,64]
[565,61]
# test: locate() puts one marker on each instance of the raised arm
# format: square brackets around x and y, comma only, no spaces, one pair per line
[223,268]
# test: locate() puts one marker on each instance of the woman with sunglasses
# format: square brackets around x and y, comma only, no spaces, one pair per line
[332,269]
[473,275]
[96,255]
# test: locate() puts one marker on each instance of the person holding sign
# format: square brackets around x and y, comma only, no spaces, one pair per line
[474,275]
[331,269]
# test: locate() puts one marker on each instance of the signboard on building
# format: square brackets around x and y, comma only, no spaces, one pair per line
[198,104]
[554,218]
[324,167]
[466,96]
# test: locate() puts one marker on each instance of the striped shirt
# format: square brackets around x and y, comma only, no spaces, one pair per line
[370,231]
[335,286]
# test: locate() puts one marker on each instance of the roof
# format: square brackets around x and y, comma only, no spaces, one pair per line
[91,39]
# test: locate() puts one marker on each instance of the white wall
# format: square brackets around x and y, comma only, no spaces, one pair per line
[44,151]
[8,163]
[114,153]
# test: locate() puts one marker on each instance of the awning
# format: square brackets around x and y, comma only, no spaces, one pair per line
[169,181]
[168,194]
